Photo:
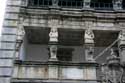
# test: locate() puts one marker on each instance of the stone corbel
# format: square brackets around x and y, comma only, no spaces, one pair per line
[117,4]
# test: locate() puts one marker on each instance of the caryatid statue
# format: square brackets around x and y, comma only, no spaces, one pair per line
[89,36]
[53,35]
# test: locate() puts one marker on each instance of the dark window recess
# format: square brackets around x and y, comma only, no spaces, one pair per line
[102,4]
[71,3]
[40,3]
[123,4]
[64,54]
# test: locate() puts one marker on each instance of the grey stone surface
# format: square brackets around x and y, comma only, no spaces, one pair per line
[11,16]
[14,2]
[5,45]
[7,30]
[12,23]
[6,54]
[4,80]
[12,9]
[5,71]
[40,18]
[9,38]
[6,62]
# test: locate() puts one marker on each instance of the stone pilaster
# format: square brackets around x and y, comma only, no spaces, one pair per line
[8,40]
[89,45]
[117,4]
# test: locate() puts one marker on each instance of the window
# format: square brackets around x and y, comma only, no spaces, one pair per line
[64,54]
[102,4]
[71,3]
[40,3]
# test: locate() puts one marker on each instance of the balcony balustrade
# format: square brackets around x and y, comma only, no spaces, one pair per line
[56,71]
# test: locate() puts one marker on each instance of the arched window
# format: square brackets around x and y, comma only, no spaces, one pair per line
[102,4]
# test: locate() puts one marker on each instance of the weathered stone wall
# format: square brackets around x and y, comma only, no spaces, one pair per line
[8,40]
[71,19]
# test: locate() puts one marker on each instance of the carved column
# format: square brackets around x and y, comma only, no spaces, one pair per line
[86,4]
[89,45]
[117,4]
[122,46]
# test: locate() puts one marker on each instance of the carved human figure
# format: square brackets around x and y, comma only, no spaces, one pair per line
[53,35]
[89,36]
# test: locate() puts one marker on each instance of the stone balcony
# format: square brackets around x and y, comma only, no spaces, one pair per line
[54,71]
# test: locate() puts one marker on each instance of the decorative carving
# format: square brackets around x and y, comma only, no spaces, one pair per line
[122,35]
[89,36]
[117,4]
[55,3]
[53,35]
[89,54]
[87,3]
[53,53]
[20,31]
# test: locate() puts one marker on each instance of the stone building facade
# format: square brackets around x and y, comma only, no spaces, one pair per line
[68,41]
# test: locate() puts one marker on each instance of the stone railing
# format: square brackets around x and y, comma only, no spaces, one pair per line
[56,71]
